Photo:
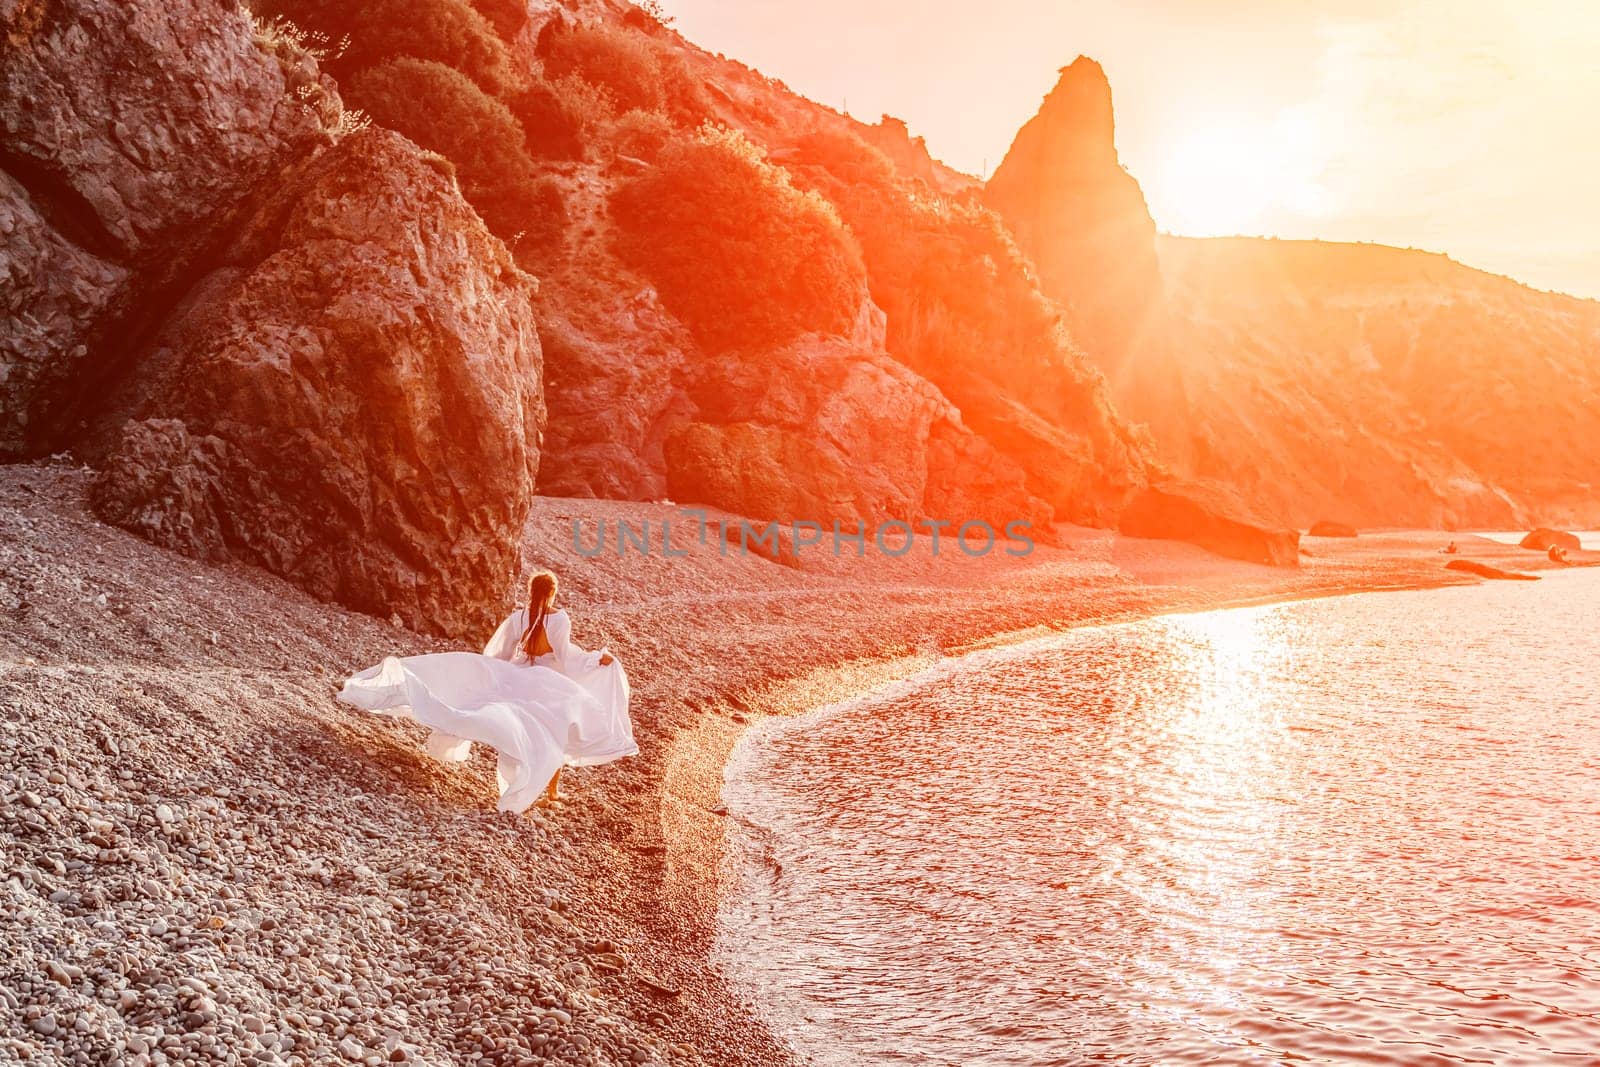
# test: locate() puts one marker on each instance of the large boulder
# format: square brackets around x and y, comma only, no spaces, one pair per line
[351,400]
[1207,516]
[52,293]
[130,133]
[1544,537]
[1329,528]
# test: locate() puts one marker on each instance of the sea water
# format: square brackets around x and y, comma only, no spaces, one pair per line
[1362,829]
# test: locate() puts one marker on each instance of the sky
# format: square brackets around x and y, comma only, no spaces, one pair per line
[1470,127]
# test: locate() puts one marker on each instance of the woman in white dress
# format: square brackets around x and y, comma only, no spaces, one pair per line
[533,696]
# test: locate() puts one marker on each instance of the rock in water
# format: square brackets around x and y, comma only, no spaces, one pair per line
[1206,517]
[130,133]
[352,400]
[1541,539]
[1326,528]
[1483,570]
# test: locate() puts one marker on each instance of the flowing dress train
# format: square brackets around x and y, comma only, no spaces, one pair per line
[563,709]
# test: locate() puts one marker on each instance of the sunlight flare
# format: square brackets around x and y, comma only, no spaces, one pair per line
[1225,175]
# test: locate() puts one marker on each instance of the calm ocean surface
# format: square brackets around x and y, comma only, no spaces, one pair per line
[1362,830]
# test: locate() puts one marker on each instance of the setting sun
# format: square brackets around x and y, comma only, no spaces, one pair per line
[1224,176]
[1426,123]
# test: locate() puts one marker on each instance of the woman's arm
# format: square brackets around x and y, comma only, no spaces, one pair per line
[503,645]
[571,658]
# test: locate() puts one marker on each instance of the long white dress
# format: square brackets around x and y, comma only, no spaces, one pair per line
[562,709]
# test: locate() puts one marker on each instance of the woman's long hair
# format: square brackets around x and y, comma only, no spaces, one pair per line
[541,591]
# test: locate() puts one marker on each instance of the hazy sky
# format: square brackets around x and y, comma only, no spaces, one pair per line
[1464,126]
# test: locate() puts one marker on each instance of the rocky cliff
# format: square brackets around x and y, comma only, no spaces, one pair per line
[710,317]
[1378,386]
[1310,380]
[284,341]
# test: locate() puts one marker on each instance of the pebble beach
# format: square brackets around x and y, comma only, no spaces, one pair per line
[208,860]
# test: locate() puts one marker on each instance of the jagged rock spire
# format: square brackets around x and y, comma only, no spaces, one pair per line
[1081,217]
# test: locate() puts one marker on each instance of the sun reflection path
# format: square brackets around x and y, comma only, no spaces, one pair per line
[1214,766]
[1226,729]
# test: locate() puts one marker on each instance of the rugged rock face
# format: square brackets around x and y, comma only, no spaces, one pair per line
[614,383]
[969,479]
[129,133]
[1386,386]
[1082,219]
[1084,469]
[351,400]
[52,296]
[832,429]
[1209,517]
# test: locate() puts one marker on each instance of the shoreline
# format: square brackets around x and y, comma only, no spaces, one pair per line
[763,766]
[908,671]
[297,830]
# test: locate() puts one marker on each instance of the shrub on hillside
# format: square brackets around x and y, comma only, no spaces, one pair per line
[637,72]
[441,109]
[506,16]
[446,31]
[640,134]
[683,96]
[621,61]
[592,105]
[552,125]
[843,157]
[739,254]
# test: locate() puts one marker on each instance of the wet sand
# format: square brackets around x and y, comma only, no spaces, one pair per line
[210,852]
